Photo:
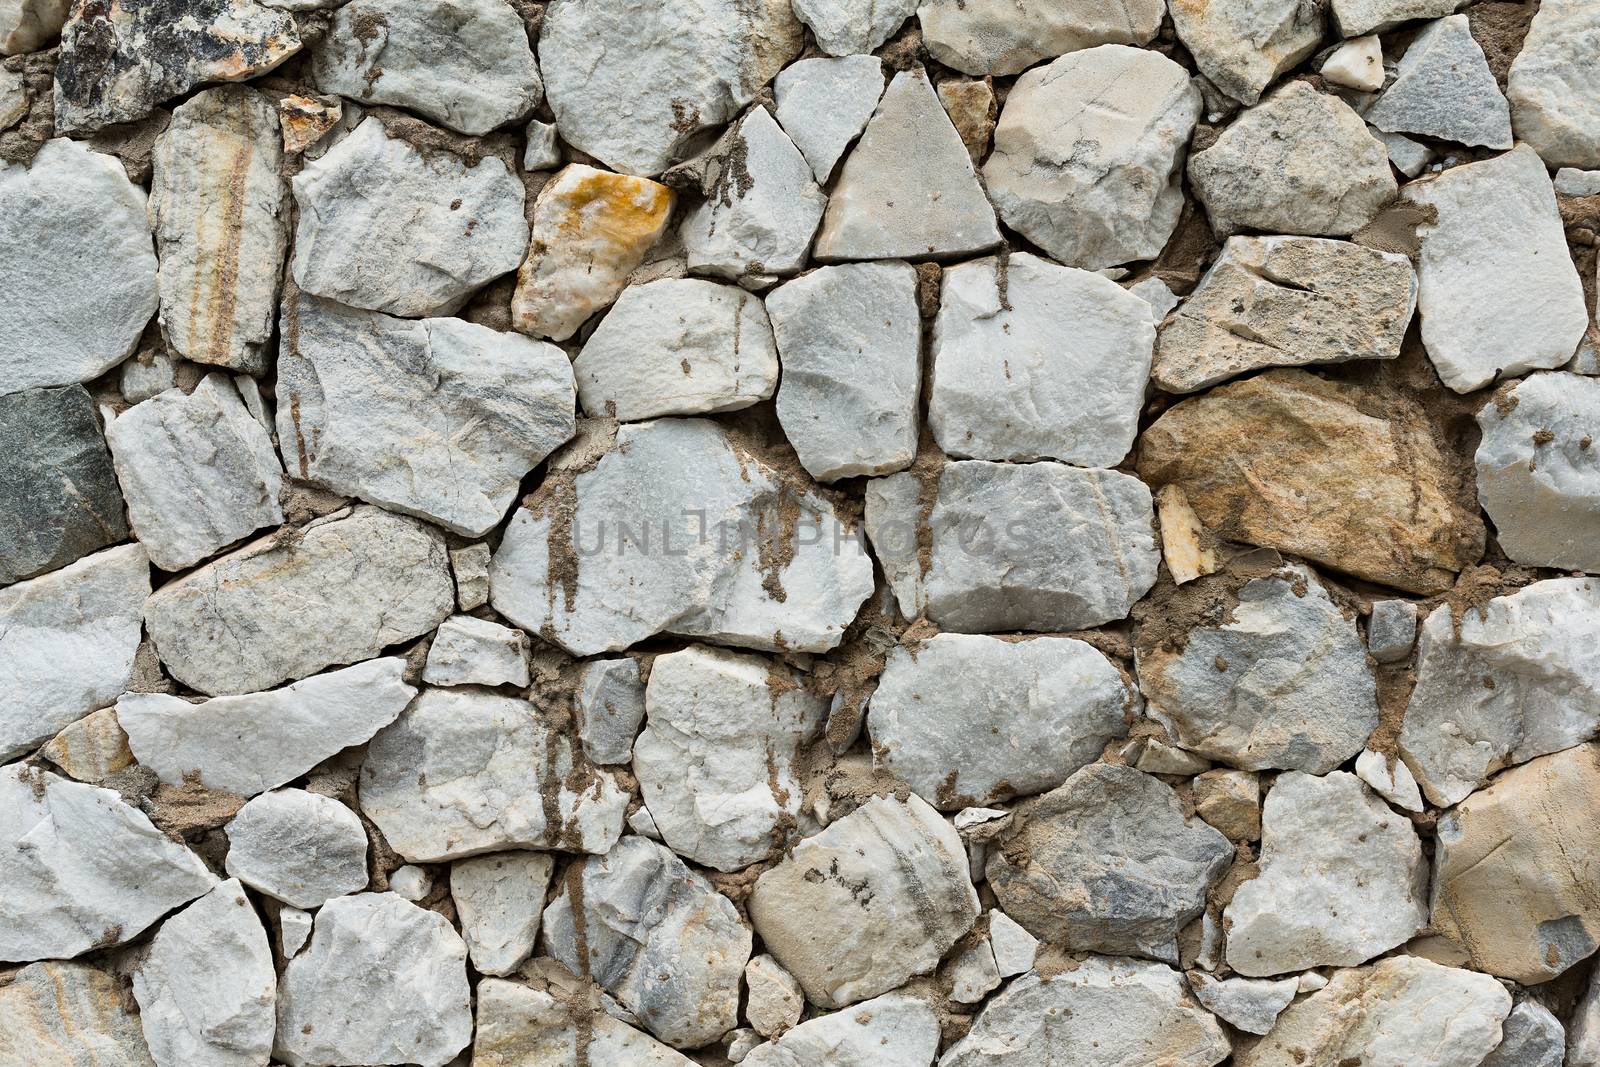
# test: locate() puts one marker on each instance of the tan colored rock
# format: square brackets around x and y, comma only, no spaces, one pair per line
[1256,460]
[69,1015]
[1184,544]
[306,120]
[971,106]
[591,228]
[1515,868]
[91,749]
[1230,801]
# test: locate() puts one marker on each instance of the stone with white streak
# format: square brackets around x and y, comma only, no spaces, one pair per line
[824,104]
[247,744]
[1356,64]
[463,772]
[1499,293]
[76,264]
[385,227]
[347,587]
[677,346]
[198,471]
[518,1026]
[850,339]
[207,988]
[1107,1012]
[834,911]
[500,901]
[383,981]
[1008,36]
[610,705]
[29,25]
[1342,880]
[1088,154]
[658,937]
[968,719]
[83,869]
[301,848]
[1443,89]
[715,762]
[894,1030]
[1032,360]
[1249,1004]
[465,63]
[469,651]
[1077,547]
[67,1015]
[851,27]
[1539,470]
[1242,46]
[1533,1038]
[1553,84]
[67,644]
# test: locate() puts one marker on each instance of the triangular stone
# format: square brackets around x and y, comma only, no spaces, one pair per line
[1443,88]
[908,190]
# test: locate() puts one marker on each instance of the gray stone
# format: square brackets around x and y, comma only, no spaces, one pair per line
[499,899]
[610,707]
[1355,17]
[1248,1004]
[1409,157]
[149,373]
[1300,162]
[895,1030]
[1553,84]
[1107,863]
[1076,549]
[1153,291]
[346,587]
[1443,89]
[850,339]
[301,848]
[1014,948]
[386,228]
[13,96]
[29,25]
[824,104]
[657,936]
[1008,36]
[543,150]
[1032,360]
[1242,46]
[518,1026]
[294,929]
[1391,630]
[468,651]
[972,973]
[908,190]
[1088,155]
[1390,778]
[1532,1038]
[1286,302]
[465,63]
[76,265]
[67,1014]
[849,27]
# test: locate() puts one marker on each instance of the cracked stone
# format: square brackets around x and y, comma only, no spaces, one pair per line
[518,1026]
[469,651]
[65,1014]
[500,901]
[1242,46]
[824,104]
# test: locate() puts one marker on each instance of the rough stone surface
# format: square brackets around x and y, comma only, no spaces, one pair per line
[518,1026]
[469,651]
[68,1014]
[91,749]
[1390,778]
[1248,1004]
[610,705]
[1353,17]
[1088,155]
[1242,46]
[1443,89]
[774,1001]
[28,25]
[299,847]
[470,567]
[500,901]
[1356,64]
[1231,801]
[895,1030]
[848,27]
[1008,36]
[1391,630]
[254,742]
[1533,1038]
[824,104]
[1553,84]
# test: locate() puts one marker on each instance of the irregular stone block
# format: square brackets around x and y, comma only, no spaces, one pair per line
[91,749]
[845,27]
[66,1014]
[518,1026]
[499,899]
[1243,45]
[894,1030]
[1443,89]
[1009,36]
[610,704]
[824,104]
[1553,85]
[468,651]
[302,848]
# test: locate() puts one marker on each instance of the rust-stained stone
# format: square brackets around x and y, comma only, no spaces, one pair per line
[57,1014]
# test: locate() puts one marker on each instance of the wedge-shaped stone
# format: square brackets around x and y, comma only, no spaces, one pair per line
[969,720]
[1342,880]
[1036,361]
[469,651]
[302,848]
[680,529]
[658,937]
[67,643]
[1285,302]
[1253,459]
[76,265]
[499,899]
[67,1014]
[1248,1004]
[385,227]
[220,211]
[464,772]
[908,189]
[91,749]
[83,869]
[1356,17]
[1243,45]
[982,547]
[894,1030]
[1533,1038]
[824,104]
[518,1026]
[347,587]
[1443,89]
[439,418]
[1554,87]
[1088,154]
[835,911]
[1008,36]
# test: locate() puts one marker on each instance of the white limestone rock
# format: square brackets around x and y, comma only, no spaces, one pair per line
[67,1014]
[499,899]
[1499,294]
[1108,1012]
[148,374]
[76,264]
[1356,64]
[834,911]
[1249,1004]
[715,762]
[67,644]
[1533,1038]
[1153,291]
[386,228]
[658,937]
[543,149]
[895,1030]
[908,190]
[1342,880]
[1402,1010]
[206,990]
[677,346]
[850,338]
[1243,45]
[1409,157]
[1013,947]
[1539,472]
[610,705]
[29,25]
[465,63]
[411,883]
[1354,17]
[1443,89]
[707,550]
[632,84]
[518,1026]
[294,929]
[824,104]
[463,772]
[1088,154]
[345,588]
[198,472]
[469,651]
[1390,778]
[253,742]
[1570,181]
[998,37]
[1553,84]
[1300,162]
[470,568]
[1516,678]
[383,981]
[967,719]
[774,1001]
[1032,360]
[1076,548]
[972,973]
[850,27]
[83,870]
[301,848]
